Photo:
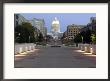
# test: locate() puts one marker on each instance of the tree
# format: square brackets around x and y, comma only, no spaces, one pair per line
[86,36]
[19,34]
[78,38]
[40,37]
[25,33]
[93,36]
[48,37]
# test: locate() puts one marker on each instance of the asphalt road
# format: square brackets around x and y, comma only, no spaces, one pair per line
[55,57]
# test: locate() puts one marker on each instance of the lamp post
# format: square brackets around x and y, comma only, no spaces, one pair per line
[82,38]
[19,34]
[17,37]
[29,39]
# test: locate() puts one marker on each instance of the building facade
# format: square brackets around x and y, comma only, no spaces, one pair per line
[55,29]
[19,19]
[73,30]
[65,34]
[44,30]
[40,25]
[91,25]
[55,25]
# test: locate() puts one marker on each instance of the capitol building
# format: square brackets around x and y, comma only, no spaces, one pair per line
[55,29]
[55,25]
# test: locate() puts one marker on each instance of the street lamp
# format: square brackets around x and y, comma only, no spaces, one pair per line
[19,34]
[17,37]
[29,39]
[82,38]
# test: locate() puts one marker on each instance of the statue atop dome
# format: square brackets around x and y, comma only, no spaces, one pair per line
[56,19]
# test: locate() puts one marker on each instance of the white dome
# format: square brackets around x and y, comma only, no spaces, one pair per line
[55,21]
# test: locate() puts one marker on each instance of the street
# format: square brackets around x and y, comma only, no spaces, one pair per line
[55,57]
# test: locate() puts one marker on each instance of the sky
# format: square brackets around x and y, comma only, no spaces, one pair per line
[65,19]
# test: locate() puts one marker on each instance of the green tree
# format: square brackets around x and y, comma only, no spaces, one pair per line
[40,37]
[48,37]
[86,36]
[24,33]
[78,38]
[93,37]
